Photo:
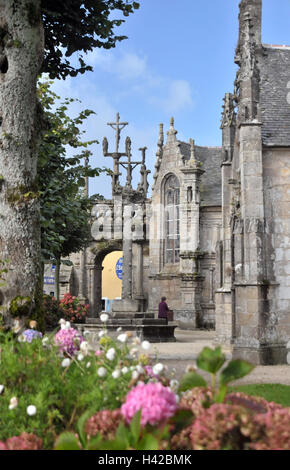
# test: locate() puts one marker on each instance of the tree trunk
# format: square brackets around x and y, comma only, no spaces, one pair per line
[21,55]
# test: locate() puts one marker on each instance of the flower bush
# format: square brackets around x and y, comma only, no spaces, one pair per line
[23,442]
[156,402]
[68,340]
[30,335]
[57,392]
[72,309]
[42,395]
[275,427]
[105,423]
[53,312]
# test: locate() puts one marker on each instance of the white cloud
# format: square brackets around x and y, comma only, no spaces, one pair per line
[126,65]
[179,97]
[130,66]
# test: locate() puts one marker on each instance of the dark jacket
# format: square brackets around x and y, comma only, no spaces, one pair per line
[162,310]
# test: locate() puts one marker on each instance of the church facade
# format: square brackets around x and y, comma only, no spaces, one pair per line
[214,237]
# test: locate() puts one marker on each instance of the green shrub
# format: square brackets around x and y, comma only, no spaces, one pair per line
[32,373]
[53,312]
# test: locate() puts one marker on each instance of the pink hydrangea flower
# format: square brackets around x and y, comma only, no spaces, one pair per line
[68,340]
[25,441]
[158,403]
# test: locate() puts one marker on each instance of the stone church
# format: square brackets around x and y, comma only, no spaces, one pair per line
[214,236]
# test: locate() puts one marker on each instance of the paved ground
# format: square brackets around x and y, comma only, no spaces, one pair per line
[189,344]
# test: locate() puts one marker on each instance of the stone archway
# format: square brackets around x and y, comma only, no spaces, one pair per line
[100,251]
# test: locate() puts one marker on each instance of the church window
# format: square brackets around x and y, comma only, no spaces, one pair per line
[172,220]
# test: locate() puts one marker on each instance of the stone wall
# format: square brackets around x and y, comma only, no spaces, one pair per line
[277,208]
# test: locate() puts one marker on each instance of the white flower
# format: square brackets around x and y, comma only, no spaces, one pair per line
[122,338]
[111,354]
[134,351]
[1,388]
[88,365]
[102,372]
[45,340]
[101,333]
[16,326]
[136,341]
[140,369]
[86,333]
[135,375]
[125,370]
[65,362]
[21,339]
[119,329]
[146,345]
[80,357]
[116,374]
[104,317]
[174,384]
[65,325]
[31,410]
[158,368]
[84,347]
[13,403]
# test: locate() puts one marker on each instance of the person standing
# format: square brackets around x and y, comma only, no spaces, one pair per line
[163,309]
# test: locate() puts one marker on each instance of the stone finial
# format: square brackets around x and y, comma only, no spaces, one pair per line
[161,137]
[192,160]
[228,114]
[172,131]
[159,154]
[143,185]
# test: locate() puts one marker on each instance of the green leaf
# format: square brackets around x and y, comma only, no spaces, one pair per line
[95,442]
[236,369]
[67,441]
[211,360]
[221,394]
[81,428]
[123,436]
[135,427]
[148,442]
[191,380]
[117,444]
[182,419]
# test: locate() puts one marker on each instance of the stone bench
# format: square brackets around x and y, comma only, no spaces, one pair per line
[146,327]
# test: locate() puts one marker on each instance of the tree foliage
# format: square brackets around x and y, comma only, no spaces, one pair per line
[65,209]
[71,26]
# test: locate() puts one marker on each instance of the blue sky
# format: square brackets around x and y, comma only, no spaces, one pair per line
[177,61]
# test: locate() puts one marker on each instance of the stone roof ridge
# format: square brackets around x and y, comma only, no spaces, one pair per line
[276,46]
[202,146]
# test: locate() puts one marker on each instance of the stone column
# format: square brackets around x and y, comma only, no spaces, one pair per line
[95,291]
[127,254]
[83,295]
[211,287]
[139,276]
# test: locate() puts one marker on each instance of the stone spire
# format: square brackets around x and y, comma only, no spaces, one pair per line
[159,154]
[228,114]
[172,132]
[143,185]
[192,160]
[249,46]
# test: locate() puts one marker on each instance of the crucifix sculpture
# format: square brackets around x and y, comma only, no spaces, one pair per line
[129,165]
[117,126]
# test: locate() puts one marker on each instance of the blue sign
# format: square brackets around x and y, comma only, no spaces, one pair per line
[119,268]
[48,280]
